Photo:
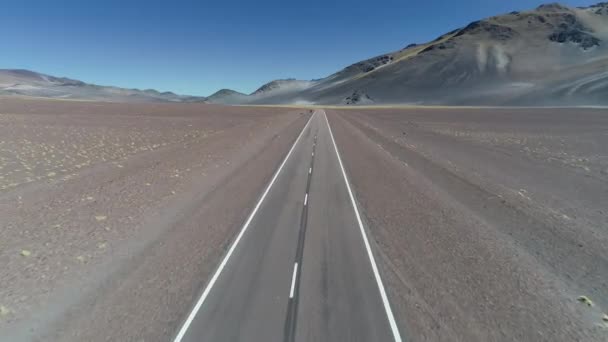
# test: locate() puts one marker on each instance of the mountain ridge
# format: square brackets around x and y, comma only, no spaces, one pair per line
[551,55]
[34,84]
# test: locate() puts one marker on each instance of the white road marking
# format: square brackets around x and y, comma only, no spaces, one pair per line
[313,153]
[305,199]
[387,306]
[309,170]
[201,300]
[293,280]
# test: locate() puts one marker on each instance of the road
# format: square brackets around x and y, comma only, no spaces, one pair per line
[301,269]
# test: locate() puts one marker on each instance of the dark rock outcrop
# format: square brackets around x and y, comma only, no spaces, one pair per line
[448,44]
[358,97]
[371,64]
[498,32]
[552,7]
[585,40]
[569,29]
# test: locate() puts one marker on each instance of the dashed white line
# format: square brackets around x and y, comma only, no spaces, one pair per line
[309,170]
[293,280]
[313,153]
[306,199]
[387,306]
[201,300]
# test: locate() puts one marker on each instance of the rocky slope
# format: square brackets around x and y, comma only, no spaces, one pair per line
[552,55]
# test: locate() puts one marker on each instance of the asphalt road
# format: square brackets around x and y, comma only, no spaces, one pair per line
[301,268]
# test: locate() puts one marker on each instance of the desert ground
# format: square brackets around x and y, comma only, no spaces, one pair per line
[491,223]
[487,224]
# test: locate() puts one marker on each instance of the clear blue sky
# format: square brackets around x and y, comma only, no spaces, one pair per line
[198,47]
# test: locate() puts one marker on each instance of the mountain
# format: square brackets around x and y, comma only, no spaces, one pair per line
[271,92]
[552,55]
[29,83]
[227,96]
[281,86]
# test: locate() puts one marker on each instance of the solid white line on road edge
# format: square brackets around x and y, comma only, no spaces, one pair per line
[306,199]
[201,300]
[293,280]
[387,306]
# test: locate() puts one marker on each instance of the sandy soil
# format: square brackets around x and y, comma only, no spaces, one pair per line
[113,215]
[490,224]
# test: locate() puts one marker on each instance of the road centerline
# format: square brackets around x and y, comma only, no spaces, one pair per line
[293,279]
[292,305]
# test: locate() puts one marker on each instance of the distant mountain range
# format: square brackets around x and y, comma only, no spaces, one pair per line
[552,55]
[29,83]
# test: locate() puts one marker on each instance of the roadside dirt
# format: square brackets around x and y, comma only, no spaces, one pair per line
[490,224]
